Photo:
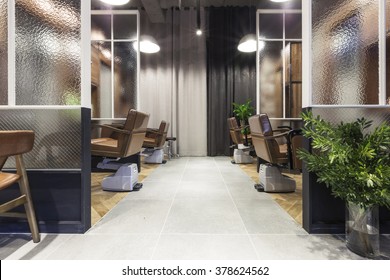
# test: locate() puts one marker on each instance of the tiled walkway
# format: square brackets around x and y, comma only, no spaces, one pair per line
[189,208]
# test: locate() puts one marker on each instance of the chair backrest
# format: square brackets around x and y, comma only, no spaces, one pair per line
[15,142]
[235,132]
[163,131]
[136,123]
[267,149]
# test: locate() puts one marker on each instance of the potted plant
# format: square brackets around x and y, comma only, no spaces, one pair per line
[354,161]
[242,113]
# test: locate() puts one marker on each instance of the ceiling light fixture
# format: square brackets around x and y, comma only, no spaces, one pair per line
[198,30]
[248,43]
[147,44]
[279,1]
[115,2]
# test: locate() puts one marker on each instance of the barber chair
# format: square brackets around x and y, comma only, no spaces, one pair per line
[16,143]
[278,155]
[154,143]
[241,151]
[119,142]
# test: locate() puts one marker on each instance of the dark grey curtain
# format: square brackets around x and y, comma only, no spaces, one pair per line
[231,74]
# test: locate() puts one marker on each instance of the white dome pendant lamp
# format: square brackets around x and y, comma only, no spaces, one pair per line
[115,2]
[248,43]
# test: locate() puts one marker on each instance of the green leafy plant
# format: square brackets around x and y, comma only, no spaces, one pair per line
[242,113]
[352,161]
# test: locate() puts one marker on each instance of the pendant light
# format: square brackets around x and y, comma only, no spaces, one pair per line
[115,2]
[248,43]
[198,27]
[147,44]
[279,1]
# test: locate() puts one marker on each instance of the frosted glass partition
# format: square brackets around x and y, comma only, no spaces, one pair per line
[47,47]
[345,52]
[3,53]
[57,136]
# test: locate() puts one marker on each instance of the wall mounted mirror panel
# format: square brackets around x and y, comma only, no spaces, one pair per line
[293,26]
[125,78]
[271,79]
[280,63]
[101,98]
[125,27]
[100,27]
[114,70]
[271,26]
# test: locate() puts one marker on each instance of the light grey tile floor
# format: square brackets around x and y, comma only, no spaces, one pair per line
[189,208]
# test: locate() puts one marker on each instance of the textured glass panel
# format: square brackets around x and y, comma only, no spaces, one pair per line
[271,26]
[345,52]
[3,53]
[125,78]
[101,98]
[101,27]
[125,26]
[48,52]
[293,25]
[57,136]
[345,114]
[271,79]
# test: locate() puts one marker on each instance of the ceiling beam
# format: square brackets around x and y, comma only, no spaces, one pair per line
[154,11]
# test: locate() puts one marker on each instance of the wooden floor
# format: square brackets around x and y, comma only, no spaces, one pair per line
[291,202]
[104,201]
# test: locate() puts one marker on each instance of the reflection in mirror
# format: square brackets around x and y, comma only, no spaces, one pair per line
[3,53]
[293,26]
[125,27]
[271,79]
[293,79]
[100,27]
[101,79]
[125,78]
[271,26]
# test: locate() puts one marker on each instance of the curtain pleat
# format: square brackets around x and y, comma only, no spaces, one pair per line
[173,81]
[231,75]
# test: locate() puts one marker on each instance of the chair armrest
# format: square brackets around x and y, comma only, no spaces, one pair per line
[122,131]
[275,136]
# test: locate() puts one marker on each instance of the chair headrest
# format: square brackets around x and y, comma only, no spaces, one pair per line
[265,125]
[232,122]
[261,124]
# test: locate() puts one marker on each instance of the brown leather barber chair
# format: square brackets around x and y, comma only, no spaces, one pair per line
[16,143]
[276,154]
[121,141]
[154,143]
[241,151]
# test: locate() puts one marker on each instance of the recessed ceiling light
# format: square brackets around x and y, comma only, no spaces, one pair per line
[199,32]
[115,2]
